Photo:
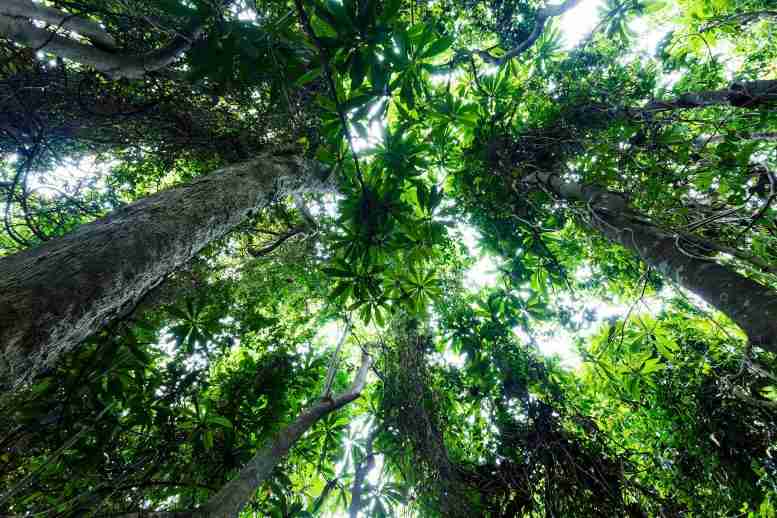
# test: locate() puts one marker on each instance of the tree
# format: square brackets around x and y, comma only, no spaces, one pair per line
[560,254]
[750,304]
[16,23]
[236,494]
[109,265]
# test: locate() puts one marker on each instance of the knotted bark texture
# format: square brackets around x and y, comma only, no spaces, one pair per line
[55,295]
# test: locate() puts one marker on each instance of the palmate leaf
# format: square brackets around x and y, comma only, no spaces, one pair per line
[308,76]
[438,46]
[358,70]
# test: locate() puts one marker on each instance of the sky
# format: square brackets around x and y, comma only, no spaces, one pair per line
[575,25]
[579,21]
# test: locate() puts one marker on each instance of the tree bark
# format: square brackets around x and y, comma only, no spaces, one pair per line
[233,496]
[55,295]
[705,140]
[60,19]
[231,499]
[749,304]
[361,474]
[116,66]
[740,94]
[540,21]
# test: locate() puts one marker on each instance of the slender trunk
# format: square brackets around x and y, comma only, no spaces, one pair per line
[236,493]
[59,19]
[116,66]
[59,293]
[361,474]
[231,499]
[751,305]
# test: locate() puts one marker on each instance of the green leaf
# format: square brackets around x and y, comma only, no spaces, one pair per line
[308,76]
[438,46]
[220,420]
[356,101]
[358,70]
[207,439]
[390,10]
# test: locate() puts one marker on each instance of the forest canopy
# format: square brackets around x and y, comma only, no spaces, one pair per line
[365,258]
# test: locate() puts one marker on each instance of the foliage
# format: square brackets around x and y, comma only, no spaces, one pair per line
[430,139]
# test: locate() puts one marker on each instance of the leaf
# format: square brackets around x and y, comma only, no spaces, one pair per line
[220,420]
[339,290]
[358,70]
[207,439]
[356,101]
[379,75]
[308,76]
[651,365]
[338,272]
[438,46]
[366,314]
[390,10]
[665,345]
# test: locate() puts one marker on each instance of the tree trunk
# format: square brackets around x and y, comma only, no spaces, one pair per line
[59,19]
[749,304]
[741,94]
[229,501]
[116,66]
[364,468]
[55,295]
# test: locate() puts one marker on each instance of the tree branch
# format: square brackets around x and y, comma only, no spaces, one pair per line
[86,28]
[261,252]
[115,66]
[543,15]
[740,94]
[231,499]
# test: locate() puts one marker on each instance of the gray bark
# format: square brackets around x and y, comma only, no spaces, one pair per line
[229,501]
[741,94]
[60,19]
[116,66]
[705,140]
[543,15]
[55,295]
[362,471]
[231,498]
[749,304]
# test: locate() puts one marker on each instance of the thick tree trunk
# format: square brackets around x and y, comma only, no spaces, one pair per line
[751,305]
[116,66]
[59,293]
[238,492]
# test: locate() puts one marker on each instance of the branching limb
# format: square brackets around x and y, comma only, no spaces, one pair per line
[265,250]
[86,28]
[543,15]
[236,494]
[116,66]
[740,94]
